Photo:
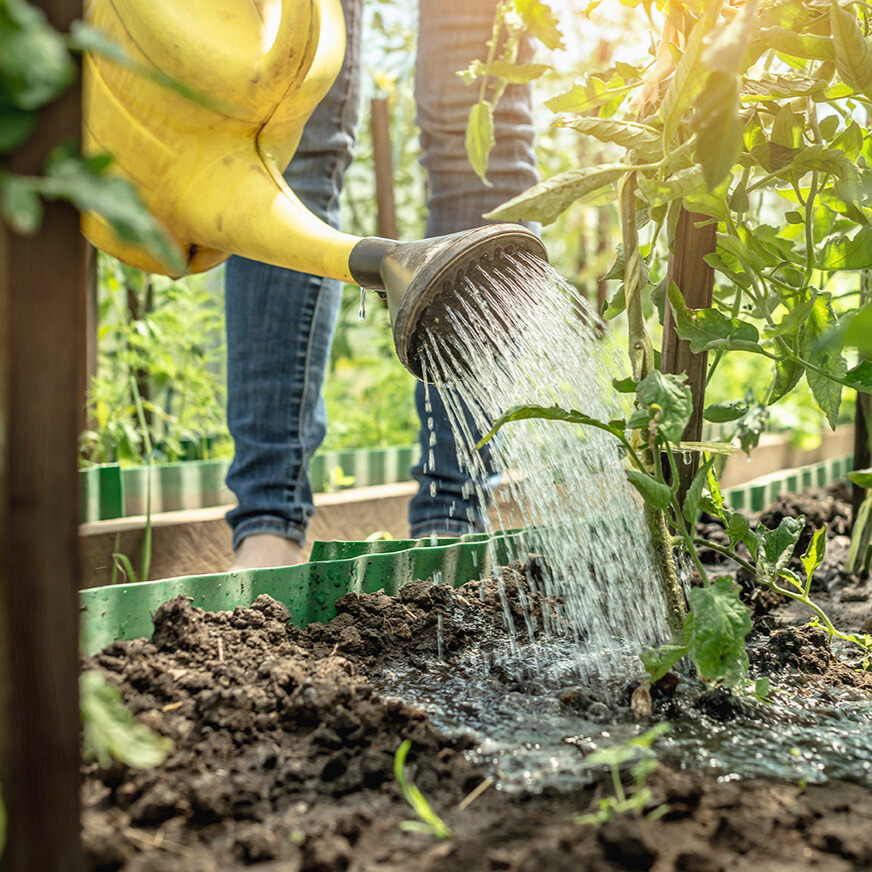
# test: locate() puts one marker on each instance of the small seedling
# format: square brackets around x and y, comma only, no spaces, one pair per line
[636,749]
[429,822]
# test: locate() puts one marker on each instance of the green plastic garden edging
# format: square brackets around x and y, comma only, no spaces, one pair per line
[310,590]
[109,491]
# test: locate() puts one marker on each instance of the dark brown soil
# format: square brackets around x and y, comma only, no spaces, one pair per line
[284,755]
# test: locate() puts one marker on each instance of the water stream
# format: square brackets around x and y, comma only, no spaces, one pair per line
[519,335]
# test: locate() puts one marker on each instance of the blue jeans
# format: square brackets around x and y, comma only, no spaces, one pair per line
[280,322]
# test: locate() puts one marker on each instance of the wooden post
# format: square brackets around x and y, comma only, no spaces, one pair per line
[42,319]
[386,216]
[695,279]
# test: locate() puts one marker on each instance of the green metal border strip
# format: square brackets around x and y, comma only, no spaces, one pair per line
[309,590]
[759,493]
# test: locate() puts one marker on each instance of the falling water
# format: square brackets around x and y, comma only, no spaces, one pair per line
[519,335]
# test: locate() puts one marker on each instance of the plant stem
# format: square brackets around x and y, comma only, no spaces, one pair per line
[145,554]
[661,544]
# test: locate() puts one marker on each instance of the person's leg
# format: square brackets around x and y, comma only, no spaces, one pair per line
[279,330]
[451,34]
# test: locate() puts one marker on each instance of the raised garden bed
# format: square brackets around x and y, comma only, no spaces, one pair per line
[110,491]
[285,735]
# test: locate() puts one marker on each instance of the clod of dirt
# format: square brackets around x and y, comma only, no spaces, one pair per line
[806,650]
[625,841]
[376,629]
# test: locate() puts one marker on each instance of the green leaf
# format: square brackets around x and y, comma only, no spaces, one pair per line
[714,503]
[626,133]
[688,80]
[717,639]
[860,377]
[624,385]
[727,52]
[516,74]
[850,141]
[20,205]
[787,375]
[827,392]
[718,127]
[110,730]
[540,22]
[786,128]
[545,201]
[853,52]
[654,492]
[694,493]
[551,413]
[413,796]
[814,554]
[776,547]
[845,253]
[821,159]
[16,125]
[858,334]
[721,413]
[586,96]
[658,661]
[709,328]
[480,137]
[668,399]
[738,527]
[798,45]
[35,66]
[762,689]
[657,192]
[862,477]
[87,184]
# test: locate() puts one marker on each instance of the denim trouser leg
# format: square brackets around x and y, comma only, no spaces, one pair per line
[451,34]
[279,330]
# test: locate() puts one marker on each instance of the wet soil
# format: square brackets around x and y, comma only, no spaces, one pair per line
[284,744]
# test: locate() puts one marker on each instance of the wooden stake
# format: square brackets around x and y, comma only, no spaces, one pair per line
[695,279]
[42,320]
[384,171]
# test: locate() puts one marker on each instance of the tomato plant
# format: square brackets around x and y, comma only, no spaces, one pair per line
[750,120]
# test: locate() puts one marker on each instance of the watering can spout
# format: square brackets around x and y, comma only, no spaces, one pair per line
[422,280]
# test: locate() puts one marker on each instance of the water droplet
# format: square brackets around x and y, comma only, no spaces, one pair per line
[433,489]
[361,312]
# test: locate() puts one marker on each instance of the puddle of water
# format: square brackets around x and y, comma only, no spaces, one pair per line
[529,740]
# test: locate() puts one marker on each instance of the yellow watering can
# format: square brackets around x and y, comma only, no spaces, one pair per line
[212,173]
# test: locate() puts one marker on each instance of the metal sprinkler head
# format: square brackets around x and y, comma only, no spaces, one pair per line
[422,281]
